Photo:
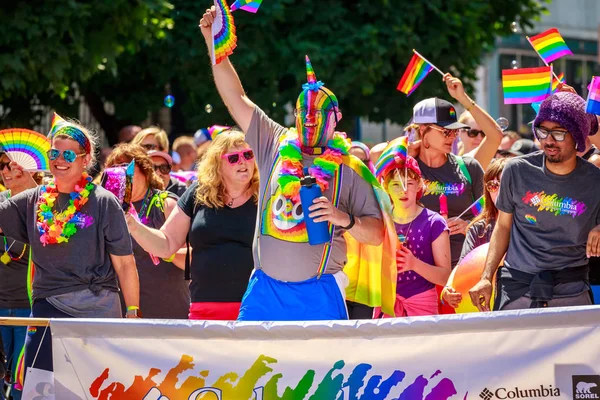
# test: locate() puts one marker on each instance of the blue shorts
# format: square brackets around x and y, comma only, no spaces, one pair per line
[268,299]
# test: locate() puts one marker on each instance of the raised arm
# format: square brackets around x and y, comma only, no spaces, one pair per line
[481,293]
[166,241]
[226,78]
[486,150]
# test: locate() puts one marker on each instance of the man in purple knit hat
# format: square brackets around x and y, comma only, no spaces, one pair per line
[549,216]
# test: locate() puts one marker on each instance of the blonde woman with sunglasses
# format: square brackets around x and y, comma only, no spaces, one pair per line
[218,212]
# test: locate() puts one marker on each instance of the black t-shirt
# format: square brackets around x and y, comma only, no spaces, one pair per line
[221,239]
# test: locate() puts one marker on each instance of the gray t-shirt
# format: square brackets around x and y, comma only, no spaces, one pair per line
[552,214]
[13,276]
[450,180]
[283,255]
[81,263]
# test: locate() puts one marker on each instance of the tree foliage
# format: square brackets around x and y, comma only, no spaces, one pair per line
[358,48]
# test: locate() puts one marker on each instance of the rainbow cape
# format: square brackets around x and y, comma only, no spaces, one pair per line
[372,270]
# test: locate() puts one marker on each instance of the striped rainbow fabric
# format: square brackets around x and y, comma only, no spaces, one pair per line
[223,30]
[593,99]
[556,82]
[526,85]
[415,73]
[550,45]
[478,206]
[372,270]
[246,5]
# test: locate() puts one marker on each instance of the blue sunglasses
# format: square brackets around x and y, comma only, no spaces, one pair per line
[69,155]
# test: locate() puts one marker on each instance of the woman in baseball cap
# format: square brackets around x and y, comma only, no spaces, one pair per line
[452,183]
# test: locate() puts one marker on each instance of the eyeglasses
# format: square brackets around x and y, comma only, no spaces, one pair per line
[163,169]
[492,186]
[69,155]
[302,113]
[234,158]
[149,146]
[5,165]
[542,134]
[473,133]
[446,132]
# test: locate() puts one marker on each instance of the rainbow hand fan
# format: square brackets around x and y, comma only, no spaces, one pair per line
[223,31]
[27,148]
[246,5]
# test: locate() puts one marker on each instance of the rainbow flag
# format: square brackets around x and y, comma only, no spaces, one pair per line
[556,82]
[526,85]
[223,31]
[246,5]
[593,99]
[550,45]
[415,73]
[477,207]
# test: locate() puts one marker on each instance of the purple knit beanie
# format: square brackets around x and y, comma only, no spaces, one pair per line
[568,110]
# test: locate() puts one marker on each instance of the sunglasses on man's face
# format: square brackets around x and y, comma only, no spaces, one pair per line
[473,133]
[163,169]
[234,158]
[543,133]
[4,165]
[69,155]
[492,186]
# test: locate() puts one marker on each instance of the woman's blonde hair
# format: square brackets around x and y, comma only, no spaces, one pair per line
[125,152]
[159,134]
[211,190]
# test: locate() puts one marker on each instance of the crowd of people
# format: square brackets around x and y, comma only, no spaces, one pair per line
[216,242]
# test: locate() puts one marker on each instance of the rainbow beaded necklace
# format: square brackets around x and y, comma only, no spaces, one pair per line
[323,168]
[59,227]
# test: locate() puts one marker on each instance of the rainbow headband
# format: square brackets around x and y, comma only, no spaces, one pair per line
[62,127]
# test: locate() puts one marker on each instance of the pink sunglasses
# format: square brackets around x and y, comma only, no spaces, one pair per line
[234,158]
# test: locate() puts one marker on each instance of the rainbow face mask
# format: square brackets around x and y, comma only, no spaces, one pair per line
[315,111]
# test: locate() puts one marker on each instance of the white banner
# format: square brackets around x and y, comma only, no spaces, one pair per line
[530,354]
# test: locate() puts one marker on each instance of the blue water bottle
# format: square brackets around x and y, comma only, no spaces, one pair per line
[318,232]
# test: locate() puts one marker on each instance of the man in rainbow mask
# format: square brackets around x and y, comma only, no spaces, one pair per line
[292,279]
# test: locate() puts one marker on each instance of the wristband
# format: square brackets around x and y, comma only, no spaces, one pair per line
[170,259]
[131,308]
[351,224]
[468,109]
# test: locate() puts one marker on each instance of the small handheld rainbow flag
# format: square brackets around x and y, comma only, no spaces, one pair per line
[526,85]
[246,5]
[593,99]
[557,81]
[223,31]
[416,71]
[549,45]
[477,207]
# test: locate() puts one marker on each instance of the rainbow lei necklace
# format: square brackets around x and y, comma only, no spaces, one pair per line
[58,228]
[323,168]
